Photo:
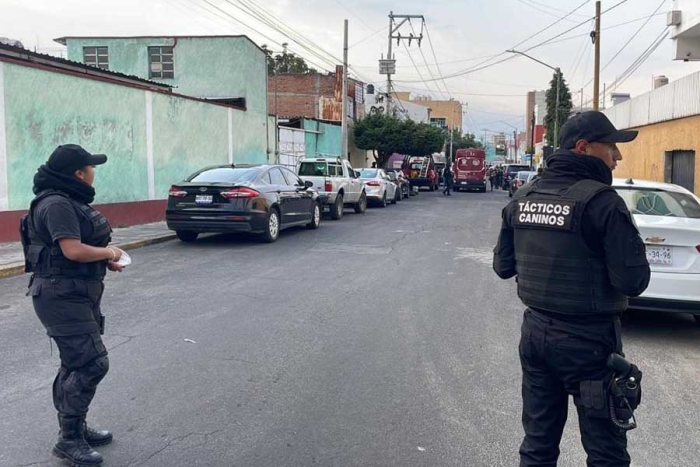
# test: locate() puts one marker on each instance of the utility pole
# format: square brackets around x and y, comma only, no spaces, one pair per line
[388,67]
[515,147]
[557,112]
[344,125]
[532,156]
[389,57]
[596,72]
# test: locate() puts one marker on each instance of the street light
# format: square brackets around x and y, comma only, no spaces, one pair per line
[557,70]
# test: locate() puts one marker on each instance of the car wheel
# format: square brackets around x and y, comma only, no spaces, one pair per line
[272,231]
[395,199]
[186,235]
[382,204]
[361,205]
[697,319]
[315,217]
[337,208]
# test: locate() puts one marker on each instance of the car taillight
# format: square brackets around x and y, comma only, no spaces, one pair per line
[239,193]
[373,183]
[698,248]
[328,187]
[177,192]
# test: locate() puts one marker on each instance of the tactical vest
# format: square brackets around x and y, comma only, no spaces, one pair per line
[47,259]
[557,270]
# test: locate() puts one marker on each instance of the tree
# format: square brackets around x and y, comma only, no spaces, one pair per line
[286,62]
[462,141]
[386,135]
[565,106]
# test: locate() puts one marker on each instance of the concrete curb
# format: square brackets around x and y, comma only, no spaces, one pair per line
[16,269]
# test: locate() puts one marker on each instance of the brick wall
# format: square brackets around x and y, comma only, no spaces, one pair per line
[298,95]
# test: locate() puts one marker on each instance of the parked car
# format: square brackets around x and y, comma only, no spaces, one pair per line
[379,187]
[668,219]
[336,183]
[262,199]
[399,178]
[509,171]
[520,179]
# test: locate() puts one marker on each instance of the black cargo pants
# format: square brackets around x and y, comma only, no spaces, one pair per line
[70,311]
[560,359]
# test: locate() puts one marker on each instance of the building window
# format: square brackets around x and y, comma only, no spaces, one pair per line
[439,122]
[96,56]
[160,62]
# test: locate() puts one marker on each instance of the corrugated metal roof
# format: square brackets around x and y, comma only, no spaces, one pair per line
[21,54]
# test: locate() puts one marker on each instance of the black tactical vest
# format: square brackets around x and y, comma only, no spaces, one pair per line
[557,270]
[46,258]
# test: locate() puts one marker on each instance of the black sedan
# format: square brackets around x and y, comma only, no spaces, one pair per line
[262,199]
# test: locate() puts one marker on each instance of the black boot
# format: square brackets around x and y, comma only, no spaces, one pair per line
[96,437]
[71,444]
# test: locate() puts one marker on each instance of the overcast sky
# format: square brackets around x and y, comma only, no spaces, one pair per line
[461,32]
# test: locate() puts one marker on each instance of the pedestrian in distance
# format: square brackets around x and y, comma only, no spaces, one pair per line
[570,233]
[492,177]
[66,244]
[499,177]
[449,180]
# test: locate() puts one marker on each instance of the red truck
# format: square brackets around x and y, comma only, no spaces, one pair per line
[421,171]
[469,170]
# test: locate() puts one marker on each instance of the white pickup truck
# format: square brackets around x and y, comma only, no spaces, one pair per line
[336,183]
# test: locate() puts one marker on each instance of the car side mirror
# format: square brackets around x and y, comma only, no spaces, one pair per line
[308,184]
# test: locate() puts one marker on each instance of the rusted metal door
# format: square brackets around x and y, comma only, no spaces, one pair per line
[680,169]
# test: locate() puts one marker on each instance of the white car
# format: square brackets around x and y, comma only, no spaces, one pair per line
[378,186]
[668,219]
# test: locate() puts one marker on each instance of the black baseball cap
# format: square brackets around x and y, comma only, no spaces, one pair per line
[68,158]
[594,127]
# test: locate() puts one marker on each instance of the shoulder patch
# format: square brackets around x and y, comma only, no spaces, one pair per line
[550,214]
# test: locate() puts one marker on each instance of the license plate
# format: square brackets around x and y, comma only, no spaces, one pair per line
[204,199]
[659,255]
[463,183]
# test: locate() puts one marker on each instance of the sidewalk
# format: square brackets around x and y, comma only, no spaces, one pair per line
[128,238]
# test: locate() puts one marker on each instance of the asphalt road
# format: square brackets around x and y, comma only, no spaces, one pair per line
[383,339]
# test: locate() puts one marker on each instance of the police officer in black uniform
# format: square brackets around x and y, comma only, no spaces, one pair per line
[66,248]
[570,240]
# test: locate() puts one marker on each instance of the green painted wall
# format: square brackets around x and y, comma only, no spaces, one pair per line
[182,144]
[327,142]
[44,109]
[204,66]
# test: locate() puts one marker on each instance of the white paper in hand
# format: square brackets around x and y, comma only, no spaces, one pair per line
[125,260]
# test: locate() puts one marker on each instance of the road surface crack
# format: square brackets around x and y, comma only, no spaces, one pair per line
[177,439]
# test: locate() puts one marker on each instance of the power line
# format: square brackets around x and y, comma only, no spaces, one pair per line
[426,63]
[437,65]
[542,10]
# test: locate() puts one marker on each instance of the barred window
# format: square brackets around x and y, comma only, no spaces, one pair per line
[160,62]
[96,56]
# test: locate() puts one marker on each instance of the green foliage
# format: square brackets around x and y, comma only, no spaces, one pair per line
[286,62]
[565,106]
[462,141]
[387,134]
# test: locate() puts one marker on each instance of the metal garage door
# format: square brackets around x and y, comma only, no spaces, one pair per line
[680,168]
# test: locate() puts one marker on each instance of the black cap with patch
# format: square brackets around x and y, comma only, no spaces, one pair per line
[68,158]
[594,127]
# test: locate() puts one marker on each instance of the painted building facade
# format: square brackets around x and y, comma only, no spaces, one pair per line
[152,136]
[377,103]
[445,114]
[668,121]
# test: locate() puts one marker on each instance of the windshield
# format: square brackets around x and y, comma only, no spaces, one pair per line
[226,175]
[517,168]
[368,173]
[525,175]
[313,169]
[650,202]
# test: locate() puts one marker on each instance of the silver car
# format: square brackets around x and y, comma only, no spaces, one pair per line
[378,186]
